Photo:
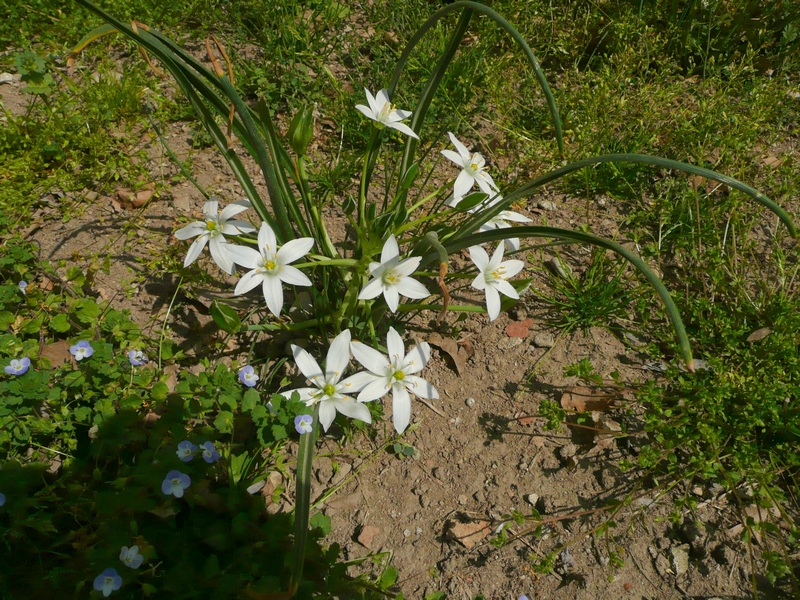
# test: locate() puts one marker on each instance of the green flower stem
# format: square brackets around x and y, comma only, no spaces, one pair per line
[322,238]
[449,307]
[321,261]
[302,506]
[369,160]
[429,217]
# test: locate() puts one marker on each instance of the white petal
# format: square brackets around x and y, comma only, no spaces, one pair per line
[219,252]
[273,294]
[377,388]
[370,358]
[293,276]
[306,363]
[401,409]
[357,382]
[338,357]
[392,297]
[235,227]
[390,250]
[411,288]
[417,358]
[497,257]
[382,99]
[373,104]
[462,149]
[512,267]
[233,209]
[506,288]
[479,283]
[453,156]
[327,413]
[394,344]
[294,249]
[479,257]
[244,256]
[195,249]
[267,240]
[421,388]
[211,208]
[463,184]
[191,230]
[513,244]
[370,114]
[510,215]
[355,410]
[401,115]
[403,128]
[373,289]
[407,266]
[248,281]
[492,302]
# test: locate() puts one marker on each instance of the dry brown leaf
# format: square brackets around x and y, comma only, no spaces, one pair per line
[451,347]
[57,353]
[579,398]
[759,334]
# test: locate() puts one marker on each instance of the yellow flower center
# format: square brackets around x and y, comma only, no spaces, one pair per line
[211,225]
[329,389]
[399,375]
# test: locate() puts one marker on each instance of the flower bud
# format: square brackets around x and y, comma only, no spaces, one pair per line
[301,130]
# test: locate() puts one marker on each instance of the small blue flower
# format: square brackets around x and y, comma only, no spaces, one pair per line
[210,454]
[18,366]
[186,450]
[523,597]
[248,376]
[131,557]
[107,582]
[23,287]
[137,358]
[81,350]
[174,483]
[2,498]
[303,423]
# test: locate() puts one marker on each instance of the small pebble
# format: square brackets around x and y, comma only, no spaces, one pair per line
[546,205]
[532,499]
[544,340]
[470,402]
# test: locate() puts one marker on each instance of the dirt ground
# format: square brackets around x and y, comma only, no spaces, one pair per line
[480,451]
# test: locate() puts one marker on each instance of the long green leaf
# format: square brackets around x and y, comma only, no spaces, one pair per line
[529,188]
[470,6]
[529,231]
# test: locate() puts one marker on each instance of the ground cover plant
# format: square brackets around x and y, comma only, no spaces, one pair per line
[349,287]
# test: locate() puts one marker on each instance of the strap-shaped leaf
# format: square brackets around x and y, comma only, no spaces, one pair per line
[538,231]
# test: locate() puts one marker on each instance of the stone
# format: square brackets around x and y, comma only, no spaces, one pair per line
[680,559]
[366,536]
[470,534]
[546,205]
[544,340]
[470,402]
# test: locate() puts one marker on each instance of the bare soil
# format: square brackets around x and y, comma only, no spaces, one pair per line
[481,452]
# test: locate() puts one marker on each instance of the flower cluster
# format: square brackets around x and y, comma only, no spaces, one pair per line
[395,373]
[269,265]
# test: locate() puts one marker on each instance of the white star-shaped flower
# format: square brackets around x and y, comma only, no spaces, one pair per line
[493,276]
[501,221]
[395,373]
[212,231]
[270,266]
[382,111]
[472,170]
[329,391]
[390,277]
